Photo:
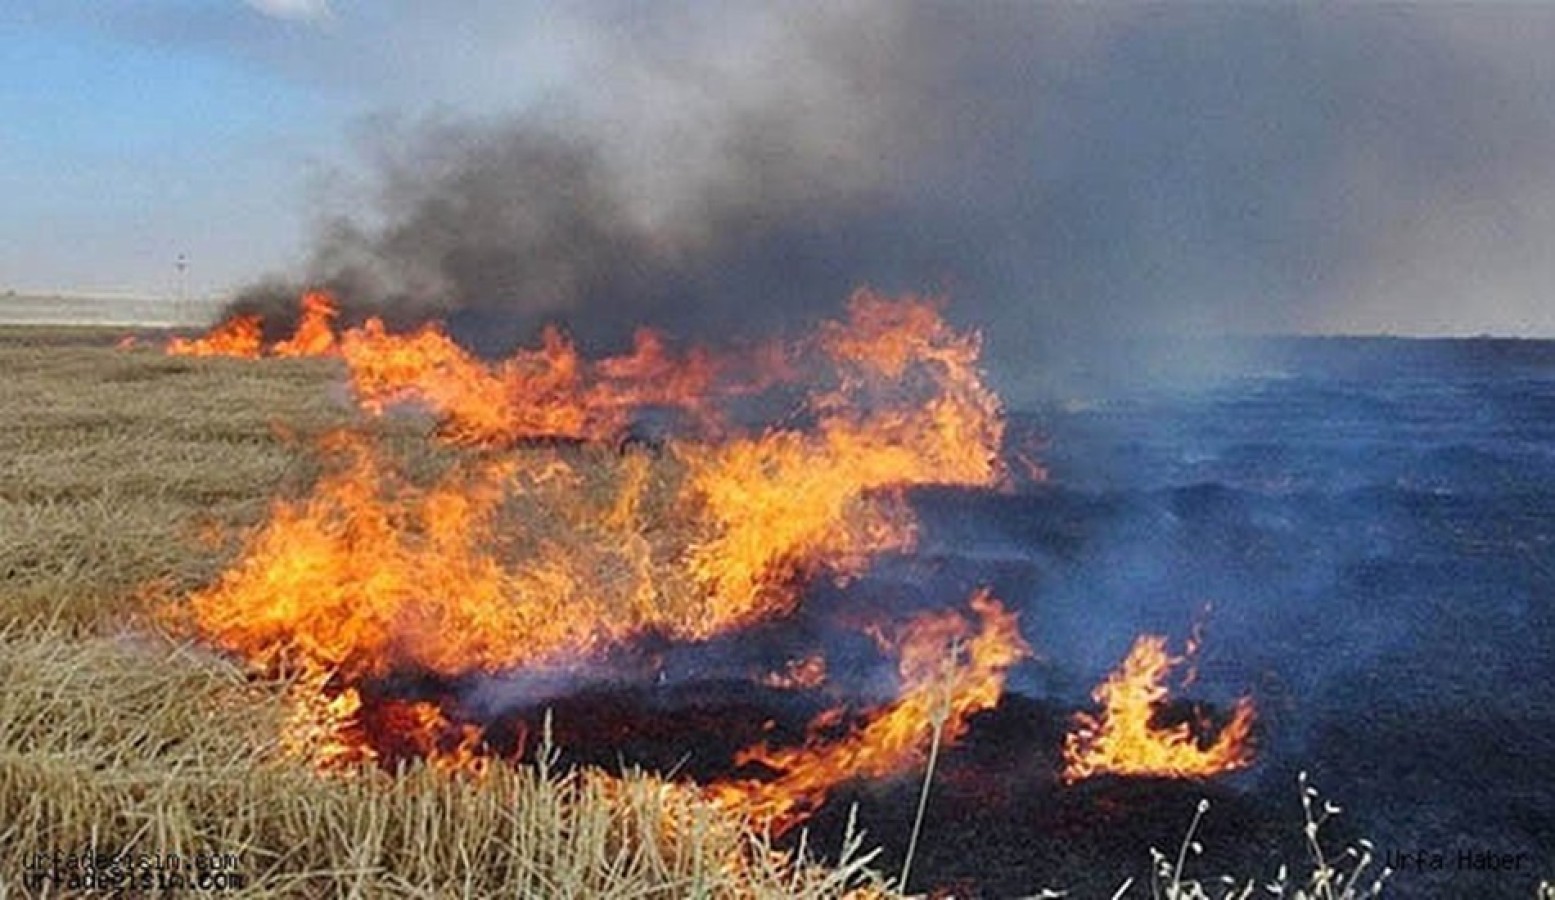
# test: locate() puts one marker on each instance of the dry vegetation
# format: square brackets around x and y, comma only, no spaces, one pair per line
[116,736]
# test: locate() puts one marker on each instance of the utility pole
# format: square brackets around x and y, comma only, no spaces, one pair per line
[180,306]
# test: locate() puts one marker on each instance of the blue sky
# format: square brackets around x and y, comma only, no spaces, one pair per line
[121,153]
[1352,169]
[138,130]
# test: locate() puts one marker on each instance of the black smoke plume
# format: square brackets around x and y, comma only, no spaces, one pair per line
[1065,173]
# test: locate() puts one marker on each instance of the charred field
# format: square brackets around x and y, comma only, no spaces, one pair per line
[1356,534]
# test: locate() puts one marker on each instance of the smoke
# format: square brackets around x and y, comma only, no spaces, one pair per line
[1073,176]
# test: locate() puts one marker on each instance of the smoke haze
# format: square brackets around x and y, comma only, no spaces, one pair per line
[1068,175]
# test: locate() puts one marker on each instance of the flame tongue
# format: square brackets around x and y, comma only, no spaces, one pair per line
[240,336]
[950,668]
[370,574]
[910,408]
[1124,739]
[315,334]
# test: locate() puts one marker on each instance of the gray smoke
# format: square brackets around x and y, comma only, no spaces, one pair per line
[1072,176]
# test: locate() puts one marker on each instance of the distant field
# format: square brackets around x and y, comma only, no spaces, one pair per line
[107,309]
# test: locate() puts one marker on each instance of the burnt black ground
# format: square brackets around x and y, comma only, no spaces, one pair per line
[1373,525]
[1365,527]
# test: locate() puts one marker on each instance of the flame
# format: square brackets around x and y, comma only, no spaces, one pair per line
[1123,738]
[332,729]
[799,674]
[372,572]
[428,366]
[315,334]
[550,391]
[911,409]
[321,726]
[949,670]
[534,393]
[239,336]
[242,336]
[489,553]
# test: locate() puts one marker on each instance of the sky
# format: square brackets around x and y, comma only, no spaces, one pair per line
[1061,169]
[139,132]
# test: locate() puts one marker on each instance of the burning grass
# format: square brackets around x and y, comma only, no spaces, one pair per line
[1124,739]
[116,736]
[141,478]
[527,555]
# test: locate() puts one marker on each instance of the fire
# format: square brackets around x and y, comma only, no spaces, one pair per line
[513,559]
[428,366]
[488,551]
[534,393]
[550,391]
[320,723]
[799,674]
[334,731]
[315,334]
[240,336]
[949,670]
[1124,739]
[502,555]
[373,573]
[911,408]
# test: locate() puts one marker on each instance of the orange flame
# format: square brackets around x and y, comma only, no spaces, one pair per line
[517,556]
[1123,738]
[329,729]
[912,409]
[949,670]
[371,572]
[239,336]
[550,391]
[315,334]
[427,365]
[799,674]
[320,724]
[242,336]
[534,393]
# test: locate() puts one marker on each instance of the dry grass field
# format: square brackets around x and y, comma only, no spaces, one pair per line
[120,739]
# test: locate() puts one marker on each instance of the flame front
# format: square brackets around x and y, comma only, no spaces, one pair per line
[240,336]
[315,334]
[910,409]
[372,572]
[496,548]
[516,554]
[1124,739]
[949,670]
